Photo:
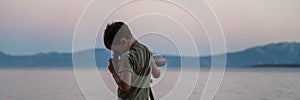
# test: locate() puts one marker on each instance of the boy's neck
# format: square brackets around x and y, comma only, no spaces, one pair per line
[134,43]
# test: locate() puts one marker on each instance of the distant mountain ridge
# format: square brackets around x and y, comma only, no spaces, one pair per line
[271,54]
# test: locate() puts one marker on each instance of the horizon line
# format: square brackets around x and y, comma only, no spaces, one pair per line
[271,43]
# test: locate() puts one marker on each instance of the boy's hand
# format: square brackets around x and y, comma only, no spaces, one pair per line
[111,67]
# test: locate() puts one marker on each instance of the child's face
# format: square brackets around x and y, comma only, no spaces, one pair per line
[121,48]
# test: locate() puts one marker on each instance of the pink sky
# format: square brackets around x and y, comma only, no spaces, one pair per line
[32,26]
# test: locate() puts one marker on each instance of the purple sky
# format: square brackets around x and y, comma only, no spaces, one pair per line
[32,26]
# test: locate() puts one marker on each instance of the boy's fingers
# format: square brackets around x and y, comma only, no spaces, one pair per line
[110,60]
[112,63]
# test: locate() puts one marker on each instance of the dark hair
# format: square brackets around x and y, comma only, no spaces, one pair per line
[114,32]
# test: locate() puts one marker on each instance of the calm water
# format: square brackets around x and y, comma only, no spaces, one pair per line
[61,84]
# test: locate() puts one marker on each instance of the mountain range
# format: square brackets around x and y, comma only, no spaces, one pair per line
[286,53]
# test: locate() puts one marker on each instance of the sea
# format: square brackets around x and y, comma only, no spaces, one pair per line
[177,84]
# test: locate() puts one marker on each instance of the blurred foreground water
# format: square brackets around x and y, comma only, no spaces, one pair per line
[238,84]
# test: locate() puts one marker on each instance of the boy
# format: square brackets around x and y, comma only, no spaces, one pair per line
[132,63]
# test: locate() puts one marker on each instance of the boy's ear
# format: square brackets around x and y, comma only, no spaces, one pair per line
[123,40]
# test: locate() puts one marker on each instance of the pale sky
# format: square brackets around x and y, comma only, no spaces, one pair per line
[33,26]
